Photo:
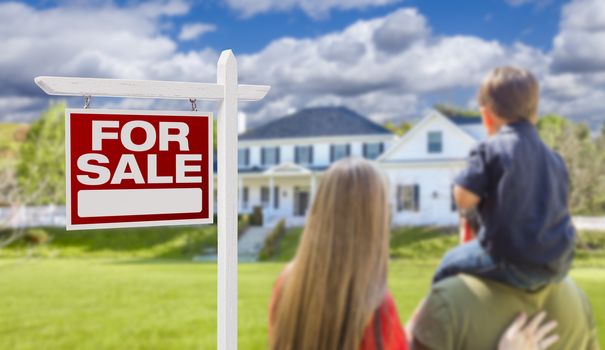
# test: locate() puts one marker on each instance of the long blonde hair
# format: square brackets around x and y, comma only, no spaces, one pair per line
[338,277]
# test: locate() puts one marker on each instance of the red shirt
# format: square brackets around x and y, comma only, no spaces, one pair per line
[467,232]
[393,337]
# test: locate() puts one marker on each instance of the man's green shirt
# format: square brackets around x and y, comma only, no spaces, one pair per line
[465,312]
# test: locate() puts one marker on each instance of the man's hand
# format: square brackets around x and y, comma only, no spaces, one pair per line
[530,336]
[464,198]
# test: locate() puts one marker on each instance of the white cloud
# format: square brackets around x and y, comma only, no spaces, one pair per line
[580,44]
[313,8]
[399,30]
[352,67]
[390,67]
[192,31]
[575,83]
[107,41]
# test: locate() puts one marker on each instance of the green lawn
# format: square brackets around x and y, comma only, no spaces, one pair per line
[175,242]
[163,304]
[429,244]
[124,289]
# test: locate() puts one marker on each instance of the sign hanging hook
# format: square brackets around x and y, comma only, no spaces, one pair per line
[193,104]
[87,99]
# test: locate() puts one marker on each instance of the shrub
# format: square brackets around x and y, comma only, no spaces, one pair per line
[243,223]
[271,246]
[256,218]
[36,237]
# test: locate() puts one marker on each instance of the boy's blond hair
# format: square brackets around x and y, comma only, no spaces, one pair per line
[511,93]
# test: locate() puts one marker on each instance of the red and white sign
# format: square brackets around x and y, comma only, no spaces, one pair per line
[138,168]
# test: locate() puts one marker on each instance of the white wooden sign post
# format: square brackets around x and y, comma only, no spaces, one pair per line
[228,92]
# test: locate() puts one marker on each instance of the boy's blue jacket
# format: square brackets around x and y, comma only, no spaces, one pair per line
[524,187]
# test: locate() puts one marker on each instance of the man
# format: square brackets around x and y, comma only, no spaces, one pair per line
[467,312]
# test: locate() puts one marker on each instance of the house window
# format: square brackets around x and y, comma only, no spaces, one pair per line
[276,197]
[270,155]
[372,150]
[408,198]
[303,155]
[339,151]
[264,196]
[435,142]
[243,157]
[245,197]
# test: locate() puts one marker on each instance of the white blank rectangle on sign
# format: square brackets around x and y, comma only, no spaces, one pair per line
[95,203]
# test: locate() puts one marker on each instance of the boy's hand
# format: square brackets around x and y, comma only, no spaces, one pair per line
[464,198]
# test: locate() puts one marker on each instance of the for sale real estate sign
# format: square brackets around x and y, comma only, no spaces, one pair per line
[138,168]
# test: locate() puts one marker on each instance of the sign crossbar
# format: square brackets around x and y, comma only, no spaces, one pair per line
[72,86]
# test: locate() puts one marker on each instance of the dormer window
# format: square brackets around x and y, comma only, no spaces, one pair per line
[435,141]
[243,157]
[339,151]
[269,156]
[303,155]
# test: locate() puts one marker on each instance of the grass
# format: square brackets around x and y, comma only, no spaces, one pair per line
[429,244]
[152,242]
[123,289]
[163,304]
[288,245]
[415,243]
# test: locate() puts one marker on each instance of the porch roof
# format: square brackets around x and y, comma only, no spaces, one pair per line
[282,169]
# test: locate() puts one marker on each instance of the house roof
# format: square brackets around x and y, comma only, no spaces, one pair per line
[464,119]
[467,125]
[259,170]
[316,122]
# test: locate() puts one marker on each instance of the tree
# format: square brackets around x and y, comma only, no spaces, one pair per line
[585,160]
[10,203]
[551,127]
[400,129]
[41,167]
[451,110]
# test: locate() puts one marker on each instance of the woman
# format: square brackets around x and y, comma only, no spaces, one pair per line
[334,294]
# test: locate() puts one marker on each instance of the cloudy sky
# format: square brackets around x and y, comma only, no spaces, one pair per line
[387,59]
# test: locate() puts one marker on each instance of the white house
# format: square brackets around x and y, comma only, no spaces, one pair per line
[281,162]
[421,167]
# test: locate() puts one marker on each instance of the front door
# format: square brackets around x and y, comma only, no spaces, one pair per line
[301,202]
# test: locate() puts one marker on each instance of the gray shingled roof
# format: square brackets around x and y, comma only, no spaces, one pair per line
[316,122]
[464,120]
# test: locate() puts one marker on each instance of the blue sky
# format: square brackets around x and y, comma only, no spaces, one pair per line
[490,19]
[387,59]
[535,23]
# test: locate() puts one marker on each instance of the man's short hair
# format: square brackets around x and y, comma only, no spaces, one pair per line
[511,93]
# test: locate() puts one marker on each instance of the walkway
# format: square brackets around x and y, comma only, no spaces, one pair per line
[252,242]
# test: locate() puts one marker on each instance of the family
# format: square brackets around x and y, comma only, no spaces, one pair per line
[506,288]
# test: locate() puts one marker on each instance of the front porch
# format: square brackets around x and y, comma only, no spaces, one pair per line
[284,191]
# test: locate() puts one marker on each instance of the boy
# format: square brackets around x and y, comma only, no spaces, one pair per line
[520,188]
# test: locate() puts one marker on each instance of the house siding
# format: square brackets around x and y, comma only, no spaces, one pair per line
[405,161]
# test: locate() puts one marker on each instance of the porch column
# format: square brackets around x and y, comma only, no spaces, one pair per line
[313,185]
[271,194]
